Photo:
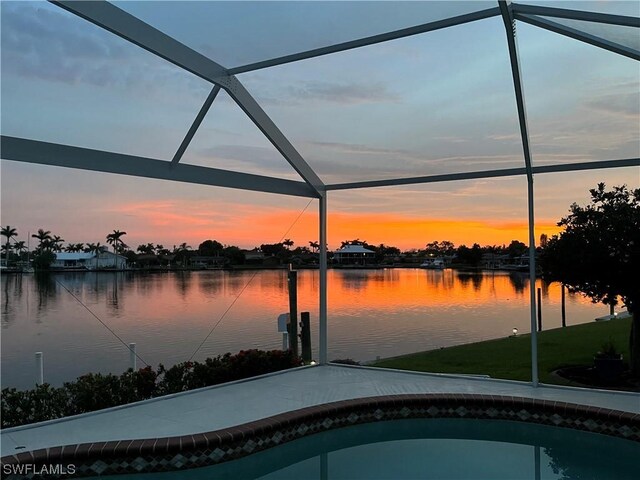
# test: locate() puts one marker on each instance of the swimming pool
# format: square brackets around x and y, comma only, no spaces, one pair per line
[433,449]
[395,436]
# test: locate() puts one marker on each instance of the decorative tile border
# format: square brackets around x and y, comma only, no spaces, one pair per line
[210,448]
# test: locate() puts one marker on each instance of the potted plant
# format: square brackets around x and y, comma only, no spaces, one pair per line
[608,362]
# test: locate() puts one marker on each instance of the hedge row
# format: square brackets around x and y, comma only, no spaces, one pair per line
[95,391]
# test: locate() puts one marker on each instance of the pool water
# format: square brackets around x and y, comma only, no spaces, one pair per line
[433,449]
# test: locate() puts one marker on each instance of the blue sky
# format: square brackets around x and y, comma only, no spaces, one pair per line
[435,103]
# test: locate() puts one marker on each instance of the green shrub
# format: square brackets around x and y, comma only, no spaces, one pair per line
[95,391]
[36,405]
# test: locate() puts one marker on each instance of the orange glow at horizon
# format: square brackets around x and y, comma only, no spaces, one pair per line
[250,226]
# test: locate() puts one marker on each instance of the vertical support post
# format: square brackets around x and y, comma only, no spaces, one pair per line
[536,459]
[285,341]
[305,336]
[39,369]
[612,309]
[323,278]
[132,356]
[532,286]
[510,29]
[539,309]
[563,306]
[293,310]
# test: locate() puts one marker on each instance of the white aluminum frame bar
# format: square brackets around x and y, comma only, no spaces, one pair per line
[323,280]
[510,30]
[44,153]
[365,41]
[595,17]
[121,23]
[196,124]
[507,172]
[579,35]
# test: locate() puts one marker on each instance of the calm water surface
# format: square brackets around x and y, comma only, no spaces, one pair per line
[371,313]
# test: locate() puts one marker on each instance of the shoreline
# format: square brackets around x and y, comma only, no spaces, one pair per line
[459,268]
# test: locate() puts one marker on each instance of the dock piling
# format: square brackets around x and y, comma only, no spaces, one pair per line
[39,369]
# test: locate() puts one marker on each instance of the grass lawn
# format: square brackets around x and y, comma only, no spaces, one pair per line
[510,357]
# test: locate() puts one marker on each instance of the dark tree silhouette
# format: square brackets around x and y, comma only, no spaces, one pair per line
[598,254]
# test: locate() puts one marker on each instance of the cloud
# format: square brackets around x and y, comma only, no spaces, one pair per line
[339,162]
[626,104]
[44,42]
[344,93]
[251,159]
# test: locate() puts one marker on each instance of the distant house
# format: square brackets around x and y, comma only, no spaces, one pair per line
[207,261]
[89,261]
[253,256]
[354,255]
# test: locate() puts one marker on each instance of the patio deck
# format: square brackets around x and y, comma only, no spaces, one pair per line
[240,402]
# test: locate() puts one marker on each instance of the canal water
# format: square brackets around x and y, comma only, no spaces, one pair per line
[372,313]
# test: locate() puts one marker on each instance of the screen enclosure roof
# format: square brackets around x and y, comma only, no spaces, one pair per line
[299,98]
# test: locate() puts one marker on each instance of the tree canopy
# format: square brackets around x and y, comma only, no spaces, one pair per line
[598,253]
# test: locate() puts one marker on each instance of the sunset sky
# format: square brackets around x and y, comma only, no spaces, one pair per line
[436,103]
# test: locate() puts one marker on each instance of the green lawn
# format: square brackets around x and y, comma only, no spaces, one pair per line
[510,358]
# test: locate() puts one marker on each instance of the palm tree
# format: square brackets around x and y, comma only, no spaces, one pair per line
[44,236]
[56,242]
[314,246]
[8,232]
[160,250]
[288,243]
[147,249]
[182,251]
[19,246]
[94,248]
[114,239]
[74,247]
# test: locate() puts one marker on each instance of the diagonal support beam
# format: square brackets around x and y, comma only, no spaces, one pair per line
[579,35]
[44,153]
[196,124]
[595,17]
[258,116]
[372,40]
[136,31]
[510,30]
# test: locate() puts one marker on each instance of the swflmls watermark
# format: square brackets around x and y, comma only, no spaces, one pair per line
[29,469]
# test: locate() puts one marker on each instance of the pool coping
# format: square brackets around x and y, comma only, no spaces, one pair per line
[218,446]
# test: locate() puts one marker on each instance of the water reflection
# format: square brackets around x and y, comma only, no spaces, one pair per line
[474,278]
[520,281]
[46,289]
[371,313]
[183,283]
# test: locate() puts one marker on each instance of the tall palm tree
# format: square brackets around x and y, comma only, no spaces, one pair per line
[20,246]
[288,243]
[8,232]
[74,247]
[146,249]
[94,248]
[314,246]
[44,236]
[114,239]
[56,243]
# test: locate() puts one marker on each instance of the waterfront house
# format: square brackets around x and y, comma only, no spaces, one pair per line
[354,255]
[89,261]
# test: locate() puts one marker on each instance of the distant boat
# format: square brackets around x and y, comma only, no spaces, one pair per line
[433,264]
